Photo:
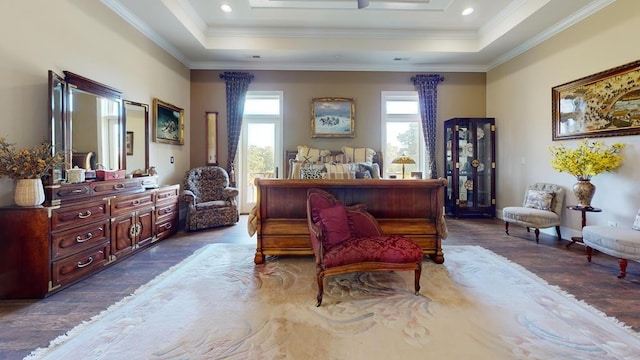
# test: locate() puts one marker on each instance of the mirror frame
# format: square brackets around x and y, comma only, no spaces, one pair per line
[146,130]
[75,81]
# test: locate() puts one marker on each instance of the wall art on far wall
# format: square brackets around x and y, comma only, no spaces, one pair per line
[333,117]
[129,142]
[168,123]
[211,118]
[602,104]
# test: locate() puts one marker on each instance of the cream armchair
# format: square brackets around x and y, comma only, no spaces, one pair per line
[210,200]
[542,208]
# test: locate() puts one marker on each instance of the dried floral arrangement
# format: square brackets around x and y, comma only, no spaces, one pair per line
[33,163]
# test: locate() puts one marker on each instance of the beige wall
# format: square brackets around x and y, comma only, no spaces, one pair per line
[88,39]
[519,96]
[460,94]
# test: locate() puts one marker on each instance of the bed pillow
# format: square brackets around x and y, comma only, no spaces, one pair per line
[539,199]
[310,155]
[335,224]
[355,155]
[340,171]
[311,173]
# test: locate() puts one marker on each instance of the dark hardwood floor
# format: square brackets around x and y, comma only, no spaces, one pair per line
[28,324]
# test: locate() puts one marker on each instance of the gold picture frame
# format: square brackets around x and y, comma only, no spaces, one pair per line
[333,117]
[168,123]
[602,104]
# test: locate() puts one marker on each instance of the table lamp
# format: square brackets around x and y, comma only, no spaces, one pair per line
[403,160]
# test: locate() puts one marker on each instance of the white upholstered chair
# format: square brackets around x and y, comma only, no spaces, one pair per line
[541,208]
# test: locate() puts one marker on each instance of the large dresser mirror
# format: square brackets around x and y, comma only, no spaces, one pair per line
[136,119]
[95,127]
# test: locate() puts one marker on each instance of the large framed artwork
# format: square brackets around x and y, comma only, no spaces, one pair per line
[602,104]
[168,123]
[211,118]
[333,117]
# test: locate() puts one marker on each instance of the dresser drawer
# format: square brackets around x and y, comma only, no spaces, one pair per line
[114,187]
[168,194]
[128,203]
[166,210]
[77,266]
[69,242]
[166,226]
[69,192]
[67,217]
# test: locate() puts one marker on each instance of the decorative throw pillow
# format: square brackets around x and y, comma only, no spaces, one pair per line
[539,199]
[310,155]
[335,224]
[636,222]
[311,173]
[358,154]
[340,171]
[363,174]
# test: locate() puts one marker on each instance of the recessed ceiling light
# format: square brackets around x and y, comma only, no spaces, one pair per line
[226,8]
[467,11]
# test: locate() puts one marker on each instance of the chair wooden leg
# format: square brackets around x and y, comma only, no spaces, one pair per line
[623,268]
[320,288]
[506,227]
[418,272]
[589,252]
[558,232]
[537,232]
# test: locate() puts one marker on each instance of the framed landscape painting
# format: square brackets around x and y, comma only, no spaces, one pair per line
[332,117]
[168,123]
[602,104]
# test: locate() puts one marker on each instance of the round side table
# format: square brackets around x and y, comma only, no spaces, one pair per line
[584,211]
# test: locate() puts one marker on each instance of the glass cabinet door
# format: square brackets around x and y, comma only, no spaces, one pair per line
[470,166]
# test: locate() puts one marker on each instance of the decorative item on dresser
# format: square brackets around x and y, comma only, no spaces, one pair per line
[470,167]
[93,225]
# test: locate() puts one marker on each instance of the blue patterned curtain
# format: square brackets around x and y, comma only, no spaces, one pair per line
[237,84]
[426,85]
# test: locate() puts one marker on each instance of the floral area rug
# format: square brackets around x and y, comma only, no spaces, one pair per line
[218,305]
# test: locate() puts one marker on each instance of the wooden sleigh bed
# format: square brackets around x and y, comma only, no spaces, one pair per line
[413,208]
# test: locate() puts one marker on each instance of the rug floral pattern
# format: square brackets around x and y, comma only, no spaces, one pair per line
[219,305]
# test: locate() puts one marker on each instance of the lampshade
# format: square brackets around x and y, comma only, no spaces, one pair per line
[403,160]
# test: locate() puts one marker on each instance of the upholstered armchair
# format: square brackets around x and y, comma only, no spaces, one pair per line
[349,239]
[541,208]
[210,200]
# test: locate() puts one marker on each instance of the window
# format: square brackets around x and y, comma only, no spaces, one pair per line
[260,149]
[402,132]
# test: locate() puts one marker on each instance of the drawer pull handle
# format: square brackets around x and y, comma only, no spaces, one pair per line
[81,240]
[167,226]
[81,265]
[77,191]
[85,215]
[135,202]
[118,186]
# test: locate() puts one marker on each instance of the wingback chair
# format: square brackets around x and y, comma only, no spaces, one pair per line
[541,208]
[349,239]
[210,200]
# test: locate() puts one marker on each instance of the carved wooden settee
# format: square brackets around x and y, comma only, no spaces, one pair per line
[413,208]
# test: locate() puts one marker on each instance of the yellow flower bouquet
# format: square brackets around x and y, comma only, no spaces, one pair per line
[590,158]
[31,163]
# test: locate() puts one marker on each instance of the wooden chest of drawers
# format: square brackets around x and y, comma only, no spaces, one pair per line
[44,249]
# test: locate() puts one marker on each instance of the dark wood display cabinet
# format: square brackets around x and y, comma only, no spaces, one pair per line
[470,167]
[44,249]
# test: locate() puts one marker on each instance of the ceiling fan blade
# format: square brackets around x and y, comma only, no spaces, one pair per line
[363,4]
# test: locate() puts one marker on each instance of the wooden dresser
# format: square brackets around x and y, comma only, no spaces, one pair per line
[44,249]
